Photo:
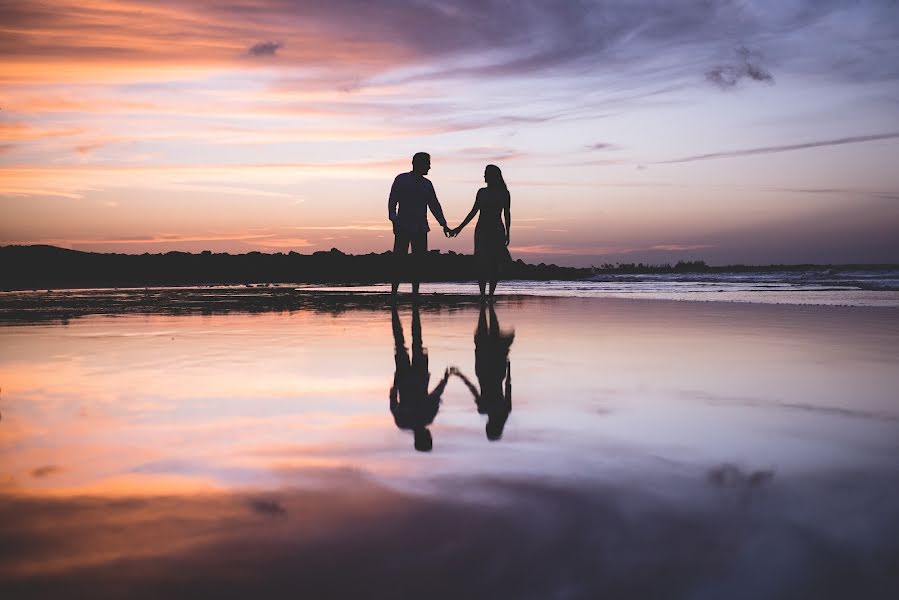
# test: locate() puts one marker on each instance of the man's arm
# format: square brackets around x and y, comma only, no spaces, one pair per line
[436,209]
[438,391]
[393,200]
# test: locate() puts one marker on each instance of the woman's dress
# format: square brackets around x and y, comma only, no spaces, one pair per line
[491,364]
[490,234]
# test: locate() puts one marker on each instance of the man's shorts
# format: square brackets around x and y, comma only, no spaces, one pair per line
[403,239]
[409,268]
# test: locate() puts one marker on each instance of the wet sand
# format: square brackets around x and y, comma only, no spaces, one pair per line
[651,449]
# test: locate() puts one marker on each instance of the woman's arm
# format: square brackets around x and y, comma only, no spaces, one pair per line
[509,383]
[474,211]
[468,384]
[508,214]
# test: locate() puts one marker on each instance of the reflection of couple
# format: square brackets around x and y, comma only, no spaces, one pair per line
[415,195]
[414,408]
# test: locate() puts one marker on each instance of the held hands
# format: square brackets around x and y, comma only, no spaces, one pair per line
[450,233]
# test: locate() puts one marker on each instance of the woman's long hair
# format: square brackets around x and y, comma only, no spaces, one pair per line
[495,177]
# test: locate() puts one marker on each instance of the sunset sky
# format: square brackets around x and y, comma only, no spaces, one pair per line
[752,131]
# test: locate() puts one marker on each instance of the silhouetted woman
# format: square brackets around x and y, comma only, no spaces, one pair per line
[492,366]
[491,238]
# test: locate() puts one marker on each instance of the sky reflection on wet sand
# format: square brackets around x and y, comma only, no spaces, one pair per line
[654,449]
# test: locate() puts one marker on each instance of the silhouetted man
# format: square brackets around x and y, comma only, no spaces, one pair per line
[414,194]
[413,408]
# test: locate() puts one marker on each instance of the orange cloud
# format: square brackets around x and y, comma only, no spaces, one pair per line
[72,180]
[279,243]
[23,132]
[352,227]
[111,40]
[267,240]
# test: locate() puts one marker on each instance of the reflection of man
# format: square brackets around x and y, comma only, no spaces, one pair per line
[412,406]
[415,195]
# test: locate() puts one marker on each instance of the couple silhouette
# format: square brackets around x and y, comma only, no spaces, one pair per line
[414,408]
[410,198]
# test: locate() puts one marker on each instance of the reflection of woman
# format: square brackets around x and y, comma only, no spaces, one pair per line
[492,366]
[491,238]
[413,408]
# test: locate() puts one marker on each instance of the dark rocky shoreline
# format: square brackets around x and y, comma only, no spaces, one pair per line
[49,267]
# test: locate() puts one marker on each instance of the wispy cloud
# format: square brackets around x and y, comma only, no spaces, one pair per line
[562,250]
[23,132]
[45,471]
[87,149]
[601,146]
[746,66]
[272,240]
[680,247]
[351,227]
[486,154]
[281,242]
[784,148]
[72,181]
[265,49]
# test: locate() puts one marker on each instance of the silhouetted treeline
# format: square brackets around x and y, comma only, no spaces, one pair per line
[39,267]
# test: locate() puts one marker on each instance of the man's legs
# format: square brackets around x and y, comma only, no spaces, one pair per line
[400,250]
[417,343]
[399,341]
[419,243]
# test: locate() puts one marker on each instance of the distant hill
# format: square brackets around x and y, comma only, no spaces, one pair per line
[43,267]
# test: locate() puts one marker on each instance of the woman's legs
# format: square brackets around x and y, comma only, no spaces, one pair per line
[492,276]
[483,274]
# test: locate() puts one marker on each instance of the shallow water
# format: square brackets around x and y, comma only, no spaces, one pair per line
[653,449]
[754,290]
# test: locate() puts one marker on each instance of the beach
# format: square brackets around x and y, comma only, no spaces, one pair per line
[652,448]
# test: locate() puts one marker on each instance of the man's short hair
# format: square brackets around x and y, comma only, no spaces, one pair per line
[420,156]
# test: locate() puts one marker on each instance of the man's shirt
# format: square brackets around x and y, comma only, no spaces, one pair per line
[414,194]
